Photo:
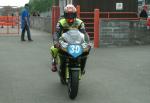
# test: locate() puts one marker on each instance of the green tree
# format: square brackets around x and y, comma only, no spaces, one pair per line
[40,5]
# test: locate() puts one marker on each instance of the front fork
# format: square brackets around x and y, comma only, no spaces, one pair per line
[67,72]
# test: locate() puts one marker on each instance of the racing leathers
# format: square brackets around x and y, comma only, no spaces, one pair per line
[62,27]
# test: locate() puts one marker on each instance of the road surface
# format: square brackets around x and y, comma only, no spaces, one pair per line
[113,74]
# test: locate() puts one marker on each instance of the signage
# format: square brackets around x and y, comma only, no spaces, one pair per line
[119,6]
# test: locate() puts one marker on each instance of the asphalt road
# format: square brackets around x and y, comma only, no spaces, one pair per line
[113,74]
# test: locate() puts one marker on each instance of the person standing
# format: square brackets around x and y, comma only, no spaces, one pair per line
[143,13]
[25,23]
[143,16]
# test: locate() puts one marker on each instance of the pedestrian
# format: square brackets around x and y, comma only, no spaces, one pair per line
[143,16]
[25,23]
[143,13]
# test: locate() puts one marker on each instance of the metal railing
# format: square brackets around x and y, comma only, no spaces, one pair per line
[91,20]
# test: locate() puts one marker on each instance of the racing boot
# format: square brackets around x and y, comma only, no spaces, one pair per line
[54,67]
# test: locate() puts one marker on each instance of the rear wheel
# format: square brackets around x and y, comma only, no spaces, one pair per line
[73,84]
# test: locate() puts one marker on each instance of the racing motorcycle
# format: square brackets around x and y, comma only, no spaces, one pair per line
[73,50]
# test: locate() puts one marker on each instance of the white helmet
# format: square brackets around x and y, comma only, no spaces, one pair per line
[70,9]
[70,13]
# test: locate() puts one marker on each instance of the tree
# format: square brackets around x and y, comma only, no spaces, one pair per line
[40,5]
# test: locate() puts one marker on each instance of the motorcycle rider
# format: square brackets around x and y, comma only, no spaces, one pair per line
[65,23]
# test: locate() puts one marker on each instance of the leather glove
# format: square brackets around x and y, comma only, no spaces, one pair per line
[56,45]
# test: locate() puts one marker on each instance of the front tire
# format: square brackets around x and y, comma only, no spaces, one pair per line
[73,84]
[62,75]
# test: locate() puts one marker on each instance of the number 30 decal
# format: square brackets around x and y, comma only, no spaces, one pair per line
[75,49]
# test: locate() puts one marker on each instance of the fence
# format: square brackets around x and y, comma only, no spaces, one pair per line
[91,20]
[123,31]
[9,20]
[9,25]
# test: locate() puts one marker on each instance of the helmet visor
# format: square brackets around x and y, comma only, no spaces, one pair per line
[70,20]
[70,15]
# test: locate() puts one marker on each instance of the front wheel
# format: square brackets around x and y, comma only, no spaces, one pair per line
[73,84]
[62,74]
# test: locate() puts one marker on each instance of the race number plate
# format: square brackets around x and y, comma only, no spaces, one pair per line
[75,50]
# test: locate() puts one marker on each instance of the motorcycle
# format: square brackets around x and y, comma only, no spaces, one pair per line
[73,50]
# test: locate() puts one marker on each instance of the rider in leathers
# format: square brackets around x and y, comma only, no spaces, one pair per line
[65,23]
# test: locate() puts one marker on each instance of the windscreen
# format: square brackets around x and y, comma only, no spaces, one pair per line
[73,37]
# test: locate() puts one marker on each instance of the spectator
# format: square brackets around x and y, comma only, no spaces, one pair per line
[143,13]
[25,23]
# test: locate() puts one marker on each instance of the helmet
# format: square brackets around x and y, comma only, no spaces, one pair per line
[70,8]
[70,13]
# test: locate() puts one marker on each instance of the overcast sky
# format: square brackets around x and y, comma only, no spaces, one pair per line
[13,2]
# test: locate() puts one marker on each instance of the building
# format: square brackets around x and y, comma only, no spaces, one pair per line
[103,5]
[108,5]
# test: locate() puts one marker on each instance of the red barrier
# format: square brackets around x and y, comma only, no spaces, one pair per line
[8,20]
[55,17]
